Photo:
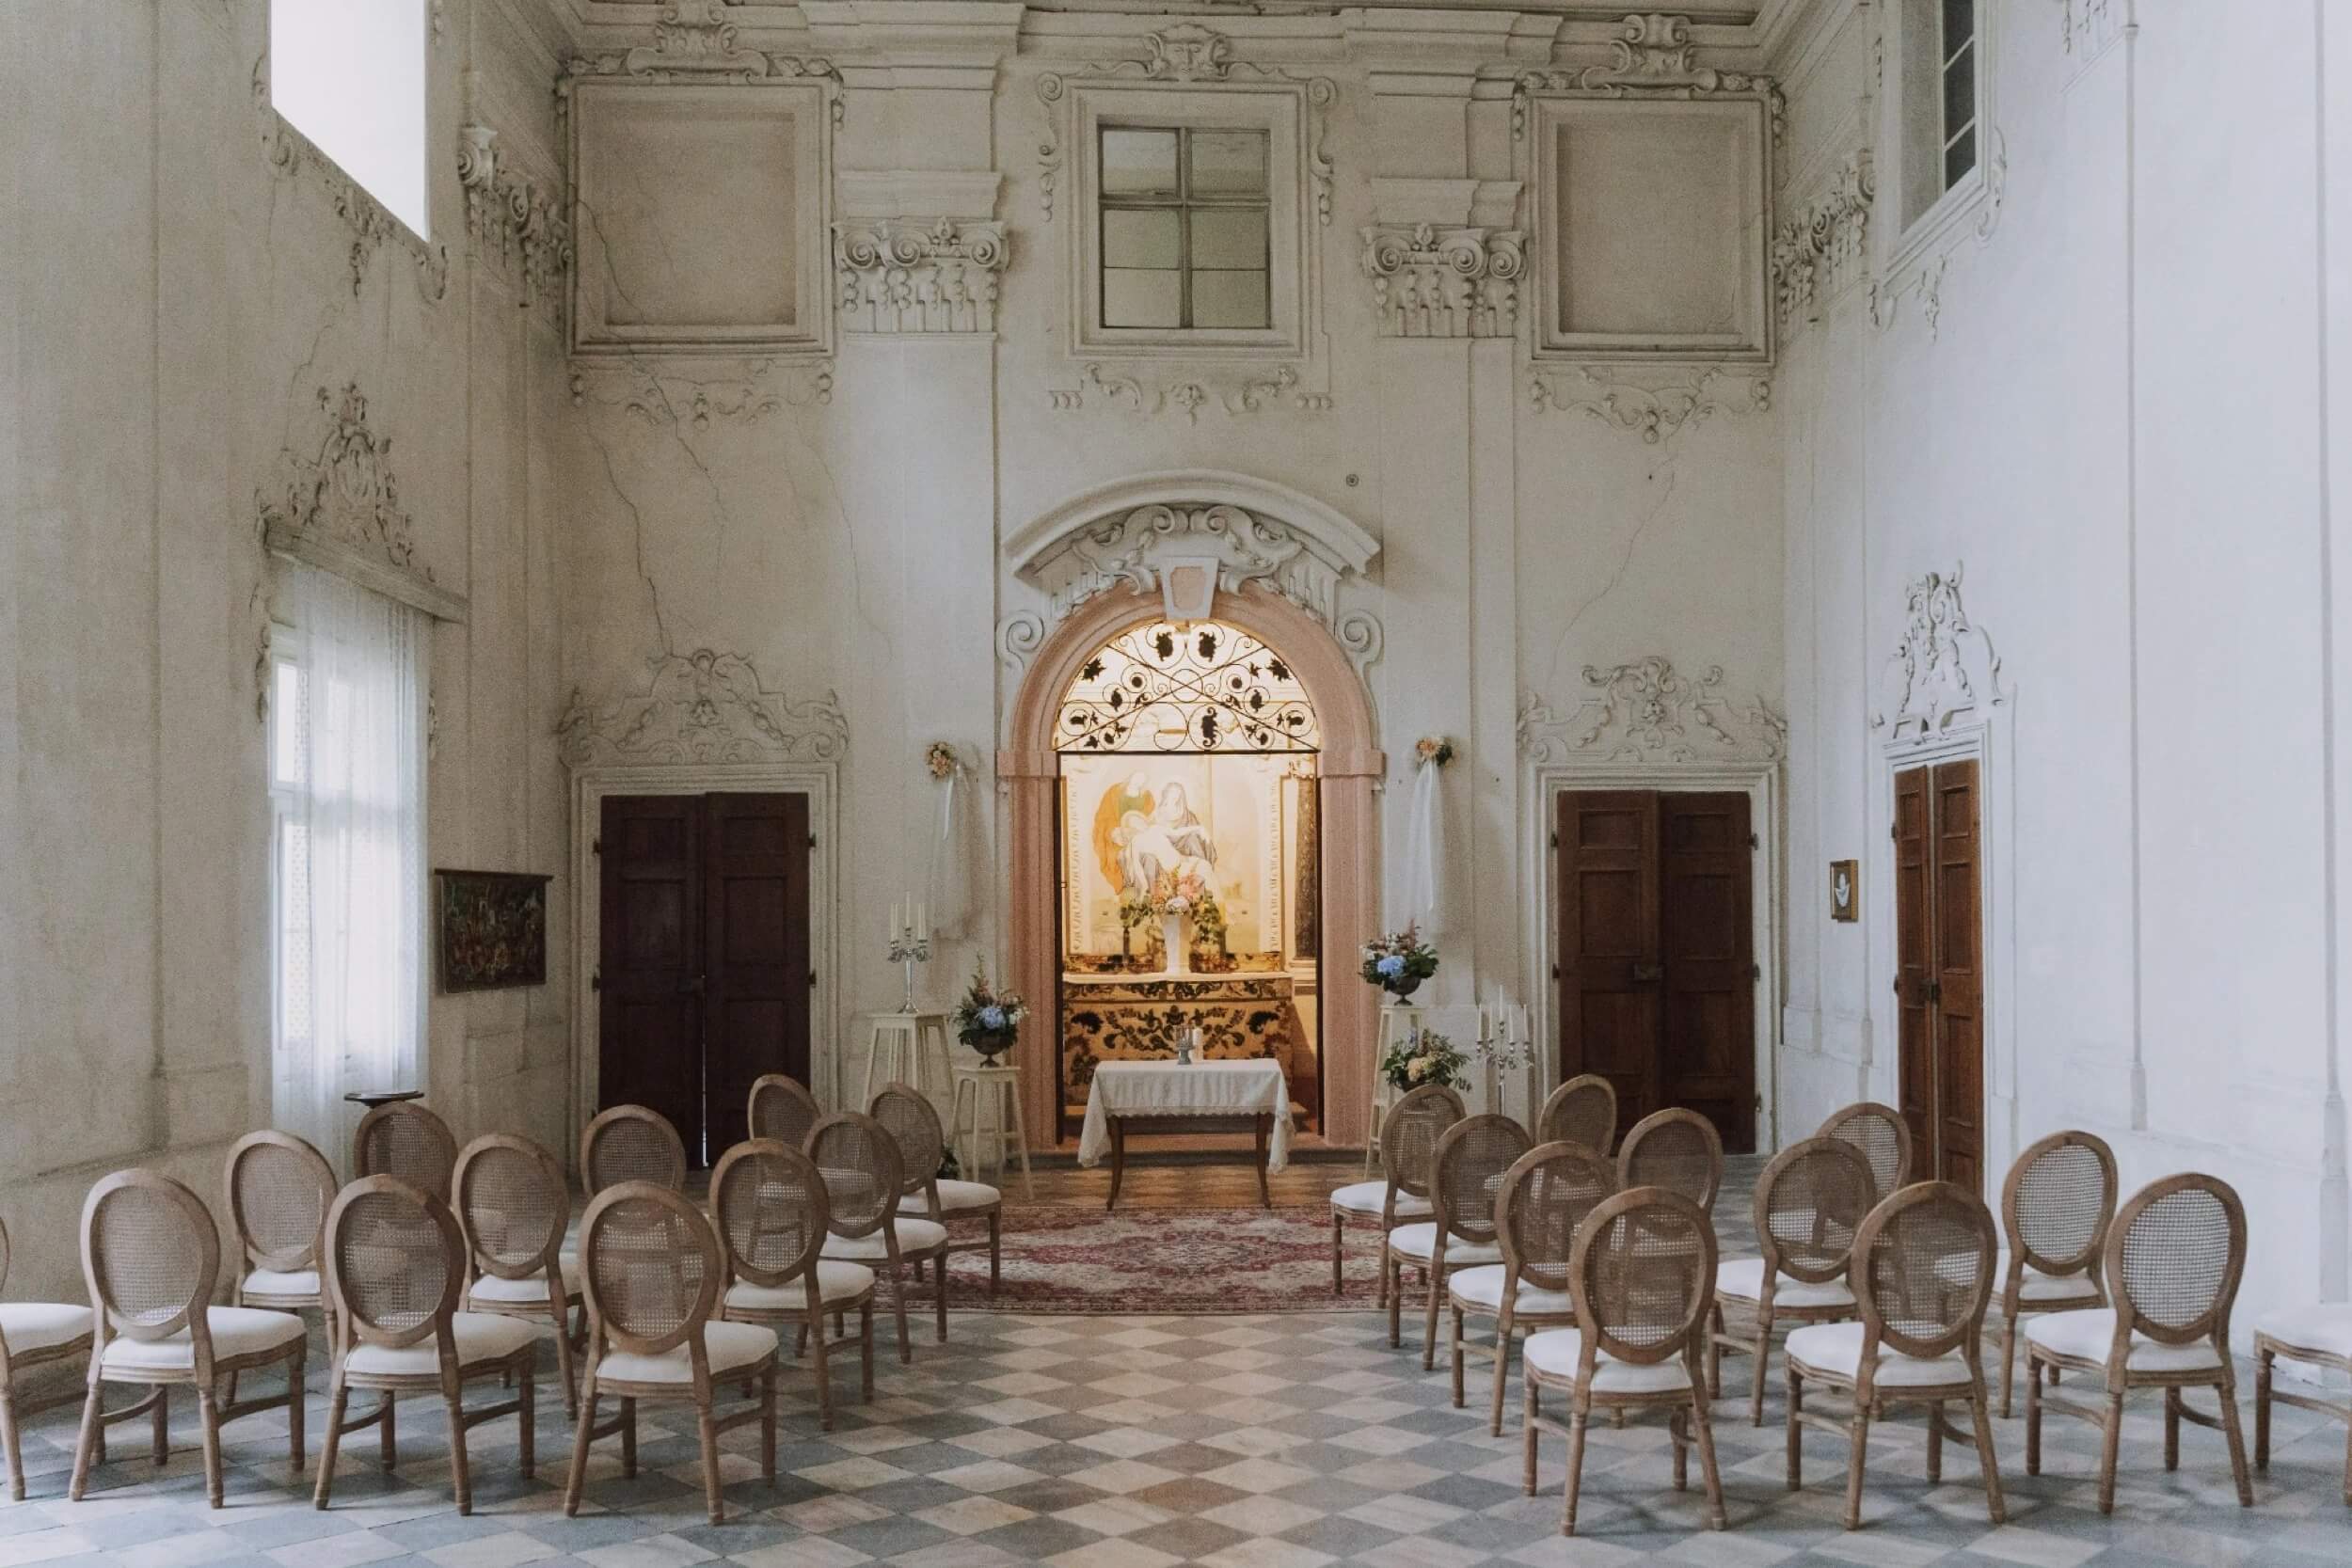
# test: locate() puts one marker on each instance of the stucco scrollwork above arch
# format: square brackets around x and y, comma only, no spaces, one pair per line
[1944,673]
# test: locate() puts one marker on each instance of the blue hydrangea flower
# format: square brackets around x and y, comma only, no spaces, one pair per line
[992,1018]
[1391,966]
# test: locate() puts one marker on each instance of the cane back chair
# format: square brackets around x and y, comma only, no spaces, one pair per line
[1582,1111]
[783,1110]
[512,1205]
[152,1257]
[1408,1151]
[2174,1257]
[1466,1176]
[396,1267]
[651,1268]
[774,1217]
[1383,1202]
[1675,1148]
[631,1143]
[1544,1196]
[865,1175]
[1922,1274]
[2318,1335]
[406,1140]
[922,1147]
[1881,1135]
[1810,1202]
[2056,1207]
[1642,1273]
[278,1189]
[34,1334]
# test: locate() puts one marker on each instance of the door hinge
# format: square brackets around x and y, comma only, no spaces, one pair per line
[1754,841]
[596,847]
[1935,992]
[1555,841]
[595,979]
[812,841]
[1755,972]
[1556,972]
[812,979]
[1894,834]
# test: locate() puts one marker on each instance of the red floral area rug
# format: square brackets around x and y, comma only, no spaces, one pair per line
[1065,1258]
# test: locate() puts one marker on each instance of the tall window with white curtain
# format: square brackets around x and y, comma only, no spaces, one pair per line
[348,795]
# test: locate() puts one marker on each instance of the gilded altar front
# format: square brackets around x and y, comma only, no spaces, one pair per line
[1128,1018]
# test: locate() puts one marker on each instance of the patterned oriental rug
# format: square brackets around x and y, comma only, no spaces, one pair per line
[1066,1259]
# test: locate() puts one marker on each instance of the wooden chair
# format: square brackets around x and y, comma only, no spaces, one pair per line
[783,1110]
[1642,1274]
[1408,1151]
[1881,1135]
[406,1140]
[2174,1257]
[1922,1275]
[864,1177]
[631,1143]
[278,1189]
[1467,1176]
[1677,1150]
[1383,1201]
[396,1267]
[33,1333]
[2320,1334]
[774,1217]
[152,1259]
[1582,1111]
[943,1200]
[512,1205]
[651,1268]
[2056,1207]
[1544,1196]
[1810,1202]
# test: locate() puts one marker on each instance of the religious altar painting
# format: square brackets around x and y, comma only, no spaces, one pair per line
[1128,820]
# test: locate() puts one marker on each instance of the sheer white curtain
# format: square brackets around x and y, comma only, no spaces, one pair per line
[360,805]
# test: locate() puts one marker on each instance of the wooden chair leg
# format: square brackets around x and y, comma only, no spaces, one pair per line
[208,1417]
[1575,1465]
[331,1441]
[1339,1239]
[2033,1416]
[2110,1436]
[159,1429]
[1763,1347]
[1528,1400]
[1857,1459]
[767,1422]
[1980,1408]
[582,1428]
[629,1437]
[939,1292]
[296,1365]
[2237,1438]
[564,1370]
[1454,1349]
[1392,1273]
[866,1351]
[2009,1359]
[1429,1324]
[996,1249]
[1703,1430]
[388,1435]
[1935,1445]
[1796,1438]
[461,1473]
[899,1303]
[819,1370]
[84,1444]
[1502,1361]
[2263,1359]
[2171,1429]
[1715,1350]
[10,1438]
[708,1428]
[527,1419]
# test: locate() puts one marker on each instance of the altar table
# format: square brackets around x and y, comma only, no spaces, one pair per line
[1241,1015]
[1201,1097]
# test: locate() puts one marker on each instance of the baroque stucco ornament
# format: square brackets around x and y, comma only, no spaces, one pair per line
[903,275]
[1652,56]
[1943,672]
[1654,413]
[292,156]
[1822,251]
[513,222]
[1237,393]
[1429,281]
[702,707]
[1648,711]
[337,508]
[694,399]
[693,41]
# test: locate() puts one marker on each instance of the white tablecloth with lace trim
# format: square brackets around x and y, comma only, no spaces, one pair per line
[1254,1087]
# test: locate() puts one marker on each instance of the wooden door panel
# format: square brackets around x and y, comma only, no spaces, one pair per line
[1707,1048]
[1914,1027]
[649,1005]
[1608,918]
[756,872]
[1958,977]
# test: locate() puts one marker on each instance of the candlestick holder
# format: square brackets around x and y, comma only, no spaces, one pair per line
[908,949]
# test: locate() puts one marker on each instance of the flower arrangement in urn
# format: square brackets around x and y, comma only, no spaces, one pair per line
[1399,962]
[1422,1057]
[989,1020]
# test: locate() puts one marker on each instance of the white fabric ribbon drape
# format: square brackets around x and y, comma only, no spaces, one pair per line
[362,820]
[1425,854]
[953,851]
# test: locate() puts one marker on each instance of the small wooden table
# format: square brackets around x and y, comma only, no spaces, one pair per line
[1122,1124]
[1245,1095]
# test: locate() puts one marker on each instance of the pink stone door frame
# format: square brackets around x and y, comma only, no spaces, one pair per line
[1351,767]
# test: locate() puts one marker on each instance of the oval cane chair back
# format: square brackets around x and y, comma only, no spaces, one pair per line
[858,1160]
[1545,1195]
[914,1124]
[2174,1257]
[1883,1137]
[651,1269]
[513,1204]
[408,1141]
[150,1257]
[1678,1150]
[631,1143]
[1921,1269]
[2057,1203]
[394,1263]
[1410,1134]
[772,1209]
[1810,1203]
[1582,1111]
[278,1188]
[1643,1274]
[1471,1157]
[783,1109]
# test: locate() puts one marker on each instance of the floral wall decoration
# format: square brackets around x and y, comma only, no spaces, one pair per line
[1425,851]
[955,849]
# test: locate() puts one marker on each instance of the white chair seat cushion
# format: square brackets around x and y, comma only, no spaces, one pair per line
[1838,1348]
[478,1337]
[2038,1286]
[2323,1326]
[1371,1197]
[914,1235]
[730,1345]
[530,1290]
[237,1331]
[1556,1352]
[2089,1335]
[270,1282]
[1743,1279]
[31,1325]
[1482,1287]
[834,1282]
[955,1198]
[1415,1242]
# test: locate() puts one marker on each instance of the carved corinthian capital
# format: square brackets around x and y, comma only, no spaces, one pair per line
[910,275]
[1429,281]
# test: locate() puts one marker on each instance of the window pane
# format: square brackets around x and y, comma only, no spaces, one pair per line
[1139,162]
[1229,238]
[286,724]
[1960,158]
[1136,298]
[1959,25]
[1959,93]
[1228,163]
[294,933]
[1229,299]
[1150,237]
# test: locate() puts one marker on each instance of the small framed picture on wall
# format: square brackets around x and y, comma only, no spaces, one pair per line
[1845,891]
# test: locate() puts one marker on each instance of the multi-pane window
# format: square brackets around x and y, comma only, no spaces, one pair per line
[291,1032]
[1956,43]
[1185,217]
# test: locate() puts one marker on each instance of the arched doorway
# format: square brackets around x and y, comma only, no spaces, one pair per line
[1349,764]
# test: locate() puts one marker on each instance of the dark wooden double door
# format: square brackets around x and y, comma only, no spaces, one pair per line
[704,976]
[1656,969]
[1939,970]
